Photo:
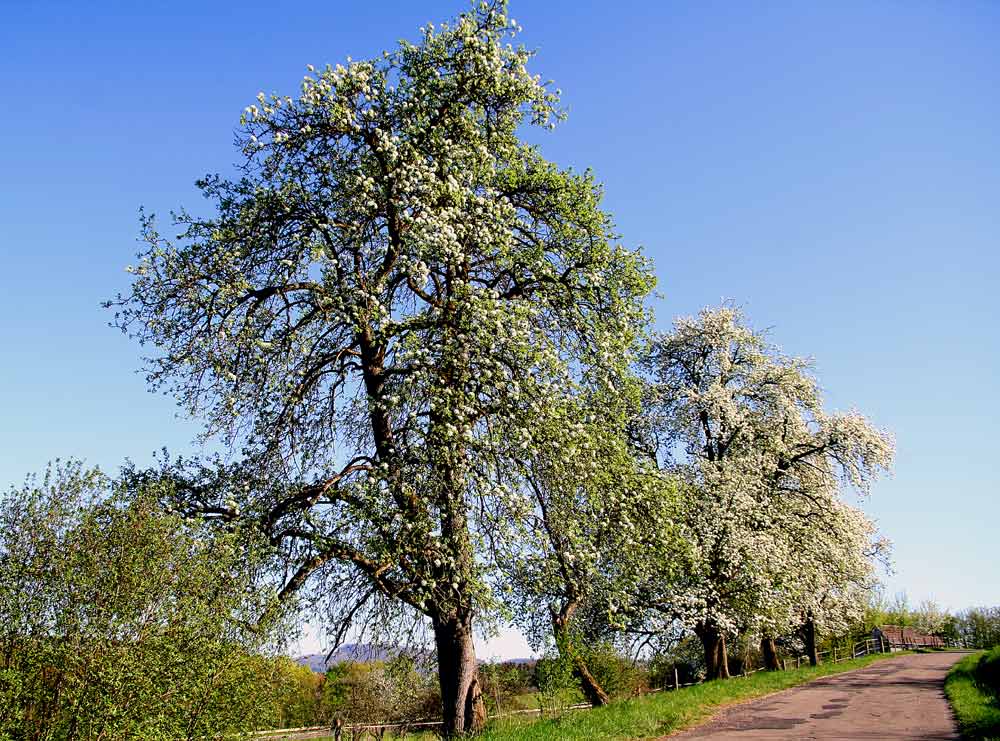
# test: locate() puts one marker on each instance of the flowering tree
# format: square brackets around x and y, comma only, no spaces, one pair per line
[825,575]
[601,522]
[381,308]
[745,426]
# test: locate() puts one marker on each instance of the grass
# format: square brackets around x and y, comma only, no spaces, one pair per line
[976,703]
[663,712]
[534,700]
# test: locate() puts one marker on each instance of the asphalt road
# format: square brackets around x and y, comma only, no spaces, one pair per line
[895,699]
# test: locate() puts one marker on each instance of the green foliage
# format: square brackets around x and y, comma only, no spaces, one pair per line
[979,627]
[502,682]
[300,694]
[618,676]
[554,677]
[972,691]
[392,691]
[117,620]
[988,671]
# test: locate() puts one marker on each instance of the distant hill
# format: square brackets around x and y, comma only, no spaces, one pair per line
[347,652]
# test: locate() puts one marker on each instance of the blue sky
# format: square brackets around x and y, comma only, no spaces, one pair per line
[833,168]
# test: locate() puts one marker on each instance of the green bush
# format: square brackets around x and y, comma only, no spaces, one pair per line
[974,701]
[118,620]
[502,682]
[553,675]
[620,677]
[988,671]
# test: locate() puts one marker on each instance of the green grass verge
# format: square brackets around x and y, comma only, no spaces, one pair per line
[976,706]
[663,712]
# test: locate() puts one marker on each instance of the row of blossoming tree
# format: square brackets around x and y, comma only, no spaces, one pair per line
[432,361]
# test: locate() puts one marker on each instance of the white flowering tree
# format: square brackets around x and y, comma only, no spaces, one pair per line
[378,312]
[745,426]
[825,575]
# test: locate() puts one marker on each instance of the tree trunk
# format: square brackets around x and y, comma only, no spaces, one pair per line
[592,689]
[723,658]
[713,642]
[809,636]
[462,708]
[769,651]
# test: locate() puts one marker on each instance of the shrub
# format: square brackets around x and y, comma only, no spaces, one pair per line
[118,620]
[620,677]
[504,681]
[988,671]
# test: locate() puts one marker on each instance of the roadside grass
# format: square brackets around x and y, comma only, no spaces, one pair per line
[663,712]
[974,700]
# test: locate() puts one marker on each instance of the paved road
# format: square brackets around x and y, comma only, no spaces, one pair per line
[895,699]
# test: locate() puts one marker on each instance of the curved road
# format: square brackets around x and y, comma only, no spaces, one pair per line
[895,699]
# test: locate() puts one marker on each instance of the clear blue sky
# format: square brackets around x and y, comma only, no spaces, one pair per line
[835,169]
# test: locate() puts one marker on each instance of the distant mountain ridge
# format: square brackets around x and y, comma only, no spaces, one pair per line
[346,652]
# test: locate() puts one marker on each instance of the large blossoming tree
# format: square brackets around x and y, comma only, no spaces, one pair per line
[377,313]
[745,426]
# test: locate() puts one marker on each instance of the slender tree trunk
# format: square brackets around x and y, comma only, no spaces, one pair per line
[809,636]
[769,651]
[723,658]
[462,708]
[713,642]
[592,689]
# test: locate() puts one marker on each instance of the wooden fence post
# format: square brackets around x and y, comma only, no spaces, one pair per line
[677,684]
[798,662]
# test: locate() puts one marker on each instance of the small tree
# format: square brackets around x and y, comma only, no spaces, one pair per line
[377,314]
[601,522]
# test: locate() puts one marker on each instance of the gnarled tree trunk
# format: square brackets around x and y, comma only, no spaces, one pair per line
[769,651]
[592,689]
[463,709]
[714,644]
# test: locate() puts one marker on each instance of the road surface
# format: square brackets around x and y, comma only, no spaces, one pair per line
[892,700]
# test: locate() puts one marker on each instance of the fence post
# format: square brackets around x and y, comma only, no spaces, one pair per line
[834,654]
[676,683]
[798,662]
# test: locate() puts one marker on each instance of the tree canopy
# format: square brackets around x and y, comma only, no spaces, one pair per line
[379,313]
